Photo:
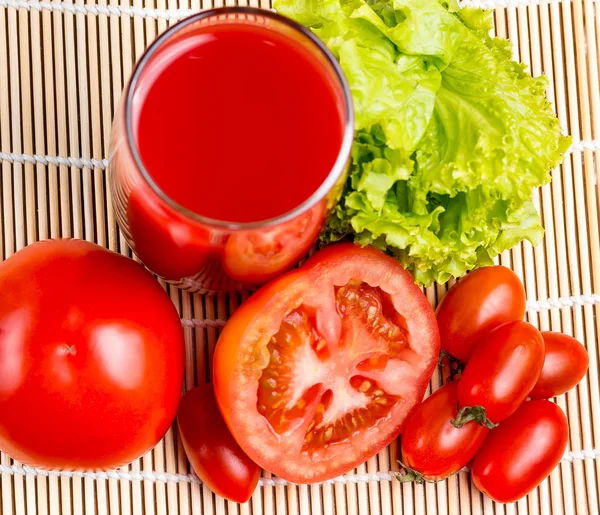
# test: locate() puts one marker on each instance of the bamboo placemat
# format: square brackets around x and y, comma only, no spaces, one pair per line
[62,68]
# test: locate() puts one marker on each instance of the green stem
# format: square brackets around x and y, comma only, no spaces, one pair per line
[472,413]
[456,367]
[408,475]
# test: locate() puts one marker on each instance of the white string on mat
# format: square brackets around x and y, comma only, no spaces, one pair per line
[78,162]
[102,164]
[501,4]
[167,477]
[563,302]
[581,455]
[534,305]
[177,14]
[580,146]
[95,9]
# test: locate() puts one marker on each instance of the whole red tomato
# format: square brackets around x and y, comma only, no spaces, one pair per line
[319,369]
[431,446]
[565,363]
[483,300]
[519,454]
[91,357]
[502,371]
[215,456]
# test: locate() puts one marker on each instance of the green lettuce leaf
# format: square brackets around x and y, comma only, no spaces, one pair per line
[452,135]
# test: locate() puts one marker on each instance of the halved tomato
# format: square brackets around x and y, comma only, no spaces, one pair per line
[256,256]
[319,369]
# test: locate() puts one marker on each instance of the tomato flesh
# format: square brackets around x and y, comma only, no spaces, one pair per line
[318,370]
[297,385]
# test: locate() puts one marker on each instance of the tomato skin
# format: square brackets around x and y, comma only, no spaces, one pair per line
[240,360]
[431,445]
[91,357]
[214,455]
[481,301]
[503,370]
[519,454]
[565,363]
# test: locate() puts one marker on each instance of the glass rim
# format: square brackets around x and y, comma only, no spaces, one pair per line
[348,131]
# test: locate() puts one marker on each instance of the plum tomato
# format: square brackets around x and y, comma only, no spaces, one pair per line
[565,363]
[432,448]
[214,455]
[91,357]
[481,301]
[502,371]
[319,369]
[519,454]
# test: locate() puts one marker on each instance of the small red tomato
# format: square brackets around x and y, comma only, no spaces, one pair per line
[519,454]
[483,300]
[502,371]
[215,456]
[566,362]
[431,445]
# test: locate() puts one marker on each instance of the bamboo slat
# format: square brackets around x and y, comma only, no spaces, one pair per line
[62,68]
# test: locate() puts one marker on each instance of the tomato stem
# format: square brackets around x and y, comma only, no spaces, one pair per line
[456,367]
[472,413]
[409,475]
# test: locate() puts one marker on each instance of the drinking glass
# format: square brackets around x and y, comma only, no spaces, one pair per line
[184,247]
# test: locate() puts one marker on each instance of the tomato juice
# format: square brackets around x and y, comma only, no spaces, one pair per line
[237,124]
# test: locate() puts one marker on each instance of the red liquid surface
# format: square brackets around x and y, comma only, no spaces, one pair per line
[237,123]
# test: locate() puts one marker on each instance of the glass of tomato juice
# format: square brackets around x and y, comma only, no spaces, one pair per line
[229,148]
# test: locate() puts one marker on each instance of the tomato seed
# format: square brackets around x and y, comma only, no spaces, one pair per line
[364,386]
[271,383]
[371,312]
